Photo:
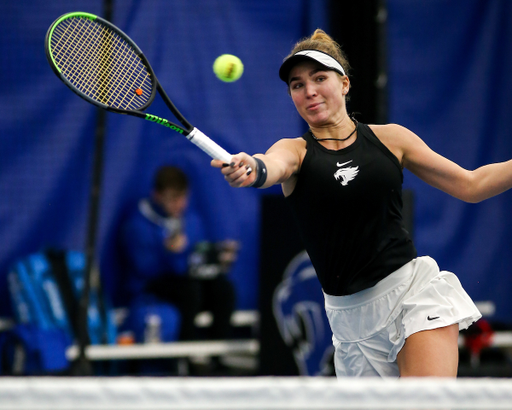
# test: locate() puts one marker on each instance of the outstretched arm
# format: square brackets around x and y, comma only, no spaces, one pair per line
[438,171]
[281,161]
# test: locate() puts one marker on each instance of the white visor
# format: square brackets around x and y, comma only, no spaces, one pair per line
[319,56]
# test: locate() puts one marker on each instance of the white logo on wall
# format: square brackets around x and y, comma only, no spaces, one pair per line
[298,306]
[345,174]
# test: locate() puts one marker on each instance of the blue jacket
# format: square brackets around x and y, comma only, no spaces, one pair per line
[142,242]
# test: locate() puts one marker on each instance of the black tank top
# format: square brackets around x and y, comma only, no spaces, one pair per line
[348,207]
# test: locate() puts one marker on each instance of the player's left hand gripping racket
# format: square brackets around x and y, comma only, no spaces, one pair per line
[104,66]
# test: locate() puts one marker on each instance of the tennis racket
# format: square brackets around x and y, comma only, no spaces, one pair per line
[101,64]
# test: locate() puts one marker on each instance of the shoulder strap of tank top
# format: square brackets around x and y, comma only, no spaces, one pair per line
[367,133]
[307,136]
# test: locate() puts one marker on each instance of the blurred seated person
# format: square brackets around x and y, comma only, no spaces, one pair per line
[168,257]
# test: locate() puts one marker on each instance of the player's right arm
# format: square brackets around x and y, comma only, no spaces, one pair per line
[282,161]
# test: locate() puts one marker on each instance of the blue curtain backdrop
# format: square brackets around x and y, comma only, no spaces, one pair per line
[47,132]
[449,64]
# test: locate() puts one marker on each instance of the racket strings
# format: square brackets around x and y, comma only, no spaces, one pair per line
[77,61]
[107,87]
[122,73]
[101,64]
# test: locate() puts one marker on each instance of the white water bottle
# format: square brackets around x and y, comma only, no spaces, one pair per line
[152,332]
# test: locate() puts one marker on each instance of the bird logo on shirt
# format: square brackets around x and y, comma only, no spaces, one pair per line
[345,174]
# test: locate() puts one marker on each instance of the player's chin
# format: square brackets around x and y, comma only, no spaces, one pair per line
[318,117]
[318,121]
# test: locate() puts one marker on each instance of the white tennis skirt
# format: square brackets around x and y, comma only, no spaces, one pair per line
[370,327]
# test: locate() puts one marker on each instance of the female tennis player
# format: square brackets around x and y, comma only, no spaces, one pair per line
[391,313]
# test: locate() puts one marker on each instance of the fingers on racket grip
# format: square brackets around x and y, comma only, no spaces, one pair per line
[210,147]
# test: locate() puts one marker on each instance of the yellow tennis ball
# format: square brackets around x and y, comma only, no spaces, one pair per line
[228,68]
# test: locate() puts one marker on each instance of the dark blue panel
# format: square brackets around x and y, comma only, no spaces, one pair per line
[45,144]
[450,83]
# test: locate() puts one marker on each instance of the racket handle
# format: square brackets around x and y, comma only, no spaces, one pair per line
[210,147]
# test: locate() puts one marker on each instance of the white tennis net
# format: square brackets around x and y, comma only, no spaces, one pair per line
[251,393]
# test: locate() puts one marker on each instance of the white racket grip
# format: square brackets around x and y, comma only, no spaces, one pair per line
[210,147]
